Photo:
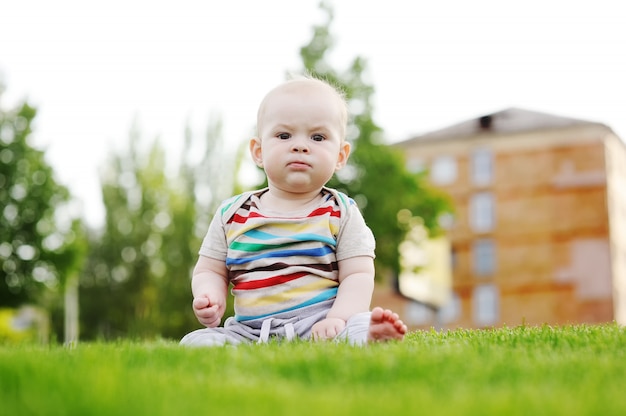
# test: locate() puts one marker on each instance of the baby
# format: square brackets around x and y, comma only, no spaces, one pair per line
[298,254]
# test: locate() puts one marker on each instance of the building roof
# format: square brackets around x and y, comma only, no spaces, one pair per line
[511,120]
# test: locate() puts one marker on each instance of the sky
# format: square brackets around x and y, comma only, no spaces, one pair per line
[95,69]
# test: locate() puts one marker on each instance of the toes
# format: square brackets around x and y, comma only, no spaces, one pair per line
[378,314]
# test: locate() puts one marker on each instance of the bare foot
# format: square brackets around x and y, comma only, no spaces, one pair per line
[385,325]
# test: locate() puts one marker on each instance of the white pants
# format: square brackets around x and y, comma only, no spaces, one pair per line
[283,326]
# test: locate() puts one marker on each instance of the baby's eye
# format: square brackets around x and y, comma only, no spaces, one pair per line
[283,136]
[318,137]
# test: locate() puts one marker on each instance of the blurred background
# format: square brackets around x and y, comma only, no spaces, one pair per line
[122,125]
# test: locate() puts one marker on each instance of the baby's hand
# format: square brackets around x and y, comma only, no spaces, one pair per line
[209,314]
[328,328]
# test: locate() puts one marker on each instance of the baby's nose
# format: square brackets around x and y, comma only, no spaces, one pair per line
[300,146]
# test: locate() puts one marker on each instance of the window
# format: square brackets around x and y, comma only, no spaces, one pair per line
[418,314]
[484,256]
[482,167]
[482,212]
[443,170]
[451,311]
[454,258]
[415,165]
[446,220]
[486,305]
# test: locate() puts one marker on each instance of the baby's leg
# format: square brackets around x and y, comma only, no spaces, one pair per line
[385,325]
[210,337]
[232,333]
[376,326]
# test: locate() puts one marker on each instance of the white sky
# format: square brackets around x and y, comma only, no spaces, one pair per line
[91,68]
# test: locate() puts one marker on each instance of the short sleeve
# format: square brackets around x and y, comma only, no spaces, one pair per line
[214,243]
[355,238]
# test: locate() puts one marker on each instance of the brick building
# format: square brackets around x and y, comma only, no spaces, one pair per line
[539,229]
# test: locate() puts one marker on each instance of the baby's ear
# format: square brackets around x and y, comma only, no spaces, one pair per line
[344,154]
[256,151]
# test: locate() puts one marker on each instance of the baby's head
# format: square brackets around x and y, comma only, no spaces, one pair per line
[301,135]
[306,87]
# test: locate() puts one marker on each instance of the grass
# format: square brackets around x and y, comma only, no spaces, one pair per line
[569,370]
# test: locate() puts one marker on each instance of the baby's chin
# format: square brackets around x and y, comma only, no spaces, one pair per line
[300,185]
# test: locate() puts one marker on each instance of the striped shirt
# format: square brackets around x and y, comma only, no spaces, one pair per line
[281,262]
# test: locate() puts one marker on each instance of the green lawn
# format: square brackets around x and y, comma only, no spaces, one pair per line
[573,370]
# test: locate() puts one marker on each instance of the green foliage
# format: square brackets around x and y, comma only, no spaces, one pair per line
[376,176]
[571,370]
[137,281]
[40,243]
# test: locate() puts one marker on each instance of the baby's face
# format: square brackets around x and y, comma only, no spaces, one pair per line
[300,143]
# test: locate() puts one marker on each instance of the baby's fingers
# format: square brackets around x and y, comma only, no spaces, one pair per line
[200,303]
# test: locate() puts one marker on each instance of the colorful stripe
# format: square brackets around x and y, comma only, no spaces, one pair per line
[279,264]
[315,252]
[324,296]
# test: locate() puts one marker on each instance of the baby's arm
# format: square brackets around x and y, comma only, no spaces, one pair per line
[209,286]
[356,286]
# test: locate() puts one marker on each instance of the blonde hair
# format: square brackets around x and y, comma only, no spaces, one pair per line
[312,80]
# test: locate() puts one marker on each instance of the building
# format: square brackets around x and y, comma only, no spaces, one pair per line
[539,232]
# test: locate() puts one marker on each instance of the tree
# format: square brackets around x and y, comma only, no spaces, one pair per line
[137,283]
[41,244]
[376,176]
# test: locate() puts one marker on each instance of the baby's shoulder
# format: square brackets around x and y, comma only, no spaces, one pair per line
[229,206]
[341,198]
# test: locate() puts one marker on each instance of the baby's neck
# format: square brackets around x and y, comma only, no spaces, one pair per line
[287,201]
